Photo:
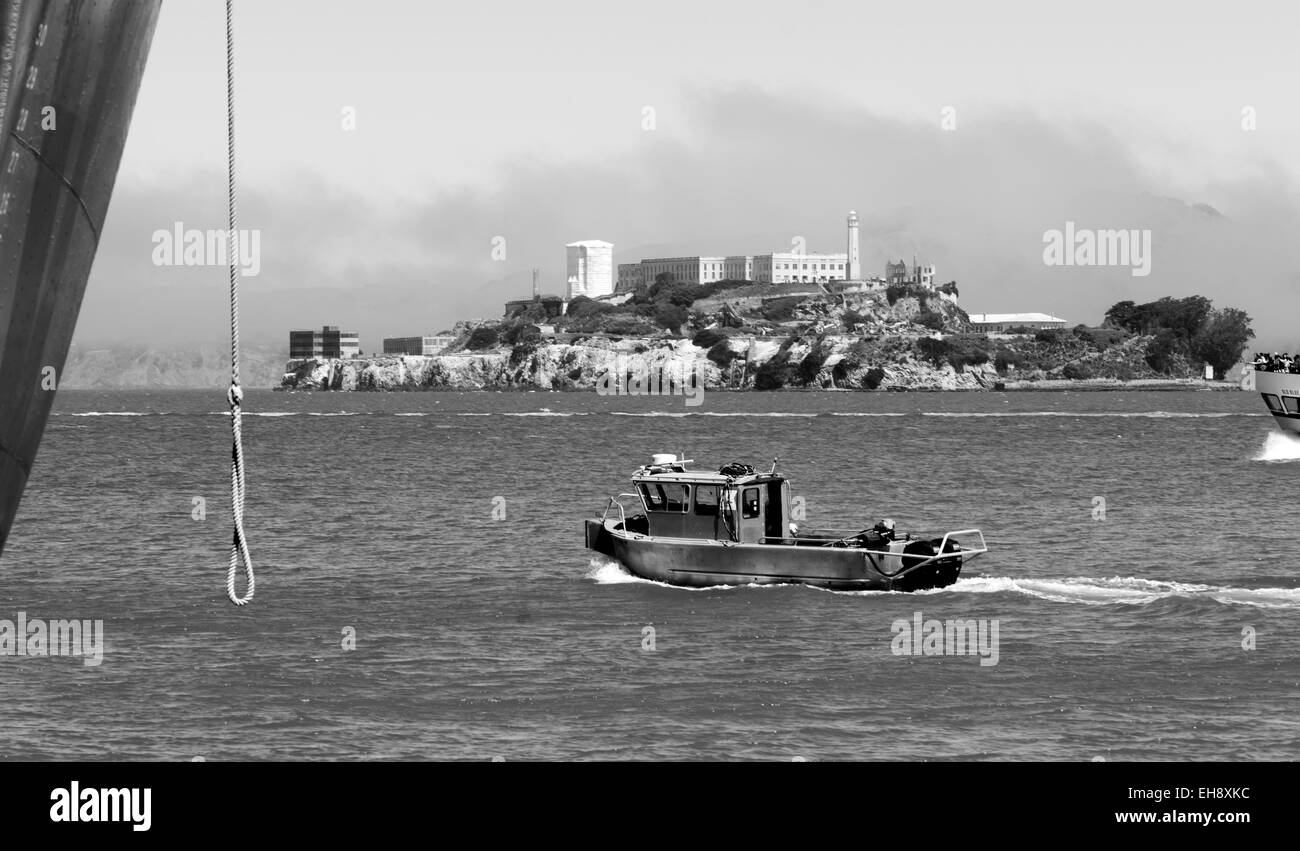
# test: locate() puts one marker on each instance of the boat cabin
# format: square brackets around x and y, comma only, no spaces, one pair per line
[734,504]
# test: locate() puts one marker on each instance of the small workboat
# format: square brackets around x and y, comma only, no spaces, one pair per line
[701,529]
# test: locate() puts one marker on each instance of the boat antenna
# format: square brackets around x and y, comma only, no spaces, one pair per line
[235,396]
[773,470]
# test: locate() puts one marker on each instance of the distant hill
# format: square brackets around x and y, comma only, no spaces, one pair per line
[126,367]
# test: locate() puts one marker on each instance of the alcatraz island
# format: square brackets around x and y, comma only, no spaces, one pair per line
[786,320]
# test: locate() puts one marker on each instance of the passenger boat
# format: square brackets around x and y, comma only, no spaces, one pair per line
[1281,391]
[700,529]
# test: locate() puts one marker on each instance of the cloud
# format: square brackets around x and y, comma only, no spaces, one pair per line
[736,171]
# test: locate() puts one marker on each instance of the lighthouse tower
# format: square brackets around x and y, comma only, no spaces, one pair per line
[853,268]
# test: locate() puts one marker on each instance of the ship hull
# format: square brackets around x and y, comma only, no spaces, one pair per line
[1281,392]
[698,563]
[69,74]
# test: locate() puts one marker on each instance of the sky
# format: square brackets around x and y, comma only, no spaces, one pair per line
[961,133]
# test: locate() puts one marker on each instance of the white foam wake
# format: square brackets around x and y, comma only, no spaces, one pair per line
[1125,590]
[1085,591]
[1279,446]
[1155,415]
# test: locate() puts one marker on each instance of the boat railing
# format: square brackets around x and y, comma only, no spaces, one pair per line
[615,503]
[961,550]
[967,552]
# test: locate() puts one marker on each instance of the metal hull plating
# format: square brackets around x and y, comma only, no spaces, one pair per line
[69,73]
[709,563]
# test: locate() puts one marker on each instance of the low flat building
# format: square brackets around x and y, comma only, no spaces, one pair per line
[554,306]
[427,345]
[1000,323]
[329,342]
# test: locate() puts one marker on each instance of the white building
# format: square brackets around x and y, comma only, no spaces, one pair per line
[738,267]
[590,267]
[429,344]
[789,267]
[686,270]
[1000,323]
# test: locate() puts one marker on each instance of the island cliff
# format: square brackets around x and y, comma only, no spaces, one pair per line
[748,339]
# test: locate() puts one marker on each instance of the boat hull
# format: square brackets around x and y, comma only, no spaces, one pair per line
[68,84]
[709,563]
[1284,387]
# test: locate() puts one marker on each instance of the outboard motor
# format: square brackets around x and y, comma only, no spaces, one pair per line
[937,574]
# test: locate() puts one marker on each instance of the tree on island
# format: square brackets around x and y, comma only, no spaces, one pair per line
[1190,328]
[1223,339]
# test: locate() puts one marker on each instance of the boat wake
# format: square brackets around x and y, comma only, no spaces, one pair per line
[1123,591]
[1279,446]
[1078,590]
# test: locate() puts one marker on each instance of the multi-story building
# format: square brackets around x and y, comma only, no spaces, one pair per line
[429,344]
[686,270]
[590,268]
[738,267]
[791,267]
[631,278]
[897,273]
[329,342]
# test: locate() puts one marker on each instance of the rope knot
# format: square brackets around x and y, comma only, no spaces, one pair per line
[235,395]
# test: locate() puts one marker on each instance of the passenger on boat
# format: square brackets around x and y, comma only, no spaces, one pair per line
[880,536]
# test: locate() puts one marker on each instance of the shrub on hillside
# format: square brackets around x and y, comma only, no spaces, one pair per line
[875,375]
[1076,371]
[809,368]
[774,374]
[721,354]
[930,319]
[484,337]
[708,338]
[781,309]
[670,316]
[1052,335]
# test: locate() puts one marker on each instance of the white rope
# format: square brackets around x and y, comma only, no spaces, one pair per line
[235,396]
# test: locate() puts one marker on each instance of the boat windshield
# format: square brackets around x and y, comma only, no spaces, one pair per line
[666,496]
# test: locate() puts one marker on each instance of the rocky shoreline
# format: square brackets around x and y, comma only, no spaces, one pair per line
[649,367]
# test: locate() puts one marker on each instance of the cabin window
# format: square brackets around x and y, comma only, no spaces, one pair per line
[1274,404]
[749,503]
[1292,404]
[706,500]
[666,496]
